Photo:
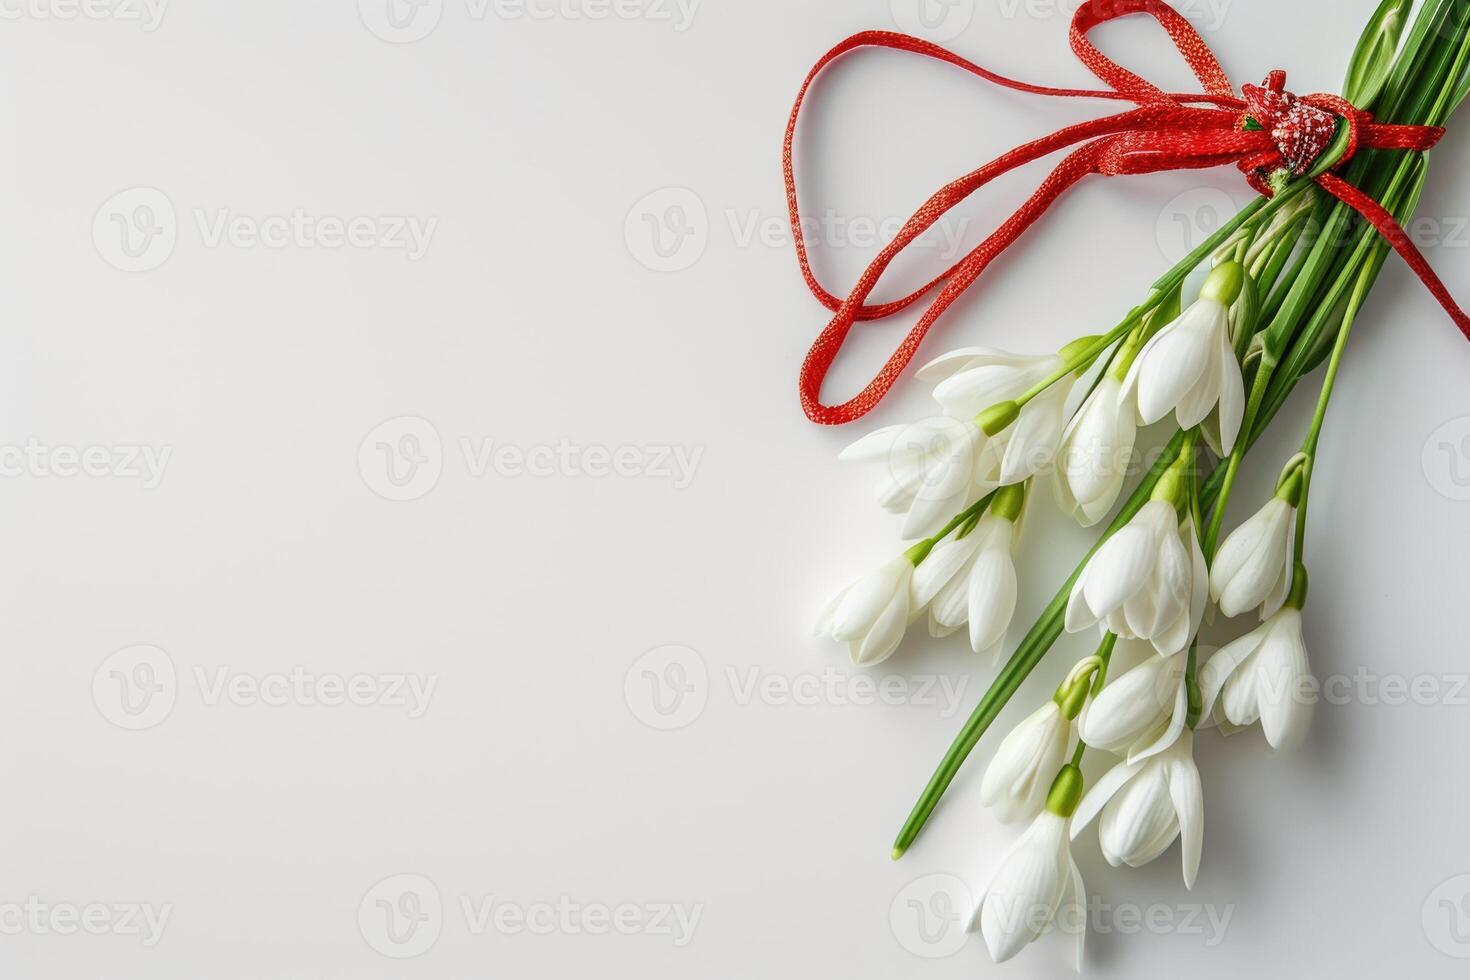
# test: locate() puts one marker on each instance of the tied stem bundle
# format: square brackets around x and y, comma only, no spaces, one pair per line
[1287,280]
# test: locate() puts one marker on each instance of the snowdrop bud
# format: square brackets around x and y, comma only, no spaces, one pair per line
[1264,676]
[1253,567]
[1189,366]
[971,579]
[1095,452]
[870,615]
[1036,879]
[1017,780]
[1145,805]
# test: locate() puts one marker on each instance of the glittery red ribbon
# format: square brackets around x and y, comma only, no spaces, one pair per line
[1165,132]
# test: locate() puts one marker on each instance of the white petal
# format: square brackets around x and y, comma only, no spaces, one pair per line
[1276,598]
[829,613]
[1216,671]
[1250,560]
[1119,568]
[1033,443]
[1128,705]
[873,447]
[1030,881]
[1079,616]
[1102,791]
[940,568]
[1232,399]
[887,632]
[866,599]
[1201,397]
[1177,719]
[956,360]
[1171,364]
[1286,708]
[992,597]
[1189,806]
[1074,901]
[1139,822]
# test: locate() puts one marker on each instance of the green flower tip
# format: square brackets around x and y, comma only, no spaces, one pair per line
[1008,501]
[1076,351]
[1290,489]
[995,418]
[1225,283]
[1298,597]
[1066,792]
[919,552]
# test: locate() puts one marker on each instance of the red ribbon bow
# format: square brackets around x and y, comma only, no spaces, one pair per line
[1165,132]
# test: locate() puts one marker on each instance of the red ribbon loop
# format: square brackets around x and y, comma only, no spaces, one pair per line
[1164,132]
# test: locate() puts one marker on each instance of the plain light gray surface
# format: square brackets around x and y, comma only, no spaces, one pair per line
[614,490]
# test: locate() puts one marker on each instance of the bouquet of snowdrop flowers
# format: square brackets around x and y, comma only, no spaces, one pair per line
[1283,284]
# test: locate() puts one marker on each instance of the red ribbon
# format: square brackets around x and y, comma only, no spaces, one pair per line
[1165,132]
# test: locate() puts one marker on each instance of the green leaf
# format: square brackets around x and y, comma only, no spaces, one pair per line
[1374,56]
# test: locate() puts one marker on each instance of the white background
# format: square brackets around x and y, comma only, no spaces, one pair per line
[538,316]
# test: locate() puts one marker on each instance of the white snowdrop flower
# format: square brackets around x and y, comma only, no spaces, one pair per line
[1189,366]
[870,615]
[1145,805]
[1142,711]
[974,379]
[1148,581]
[1264,676]
[1017,779]
[1037,883]
[932,470]
[1095,452]
[1253,567]
[972,579]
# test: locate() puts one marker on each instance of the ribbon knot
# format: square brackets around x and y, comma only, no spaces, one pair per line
[1301,130]
[1163,132]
